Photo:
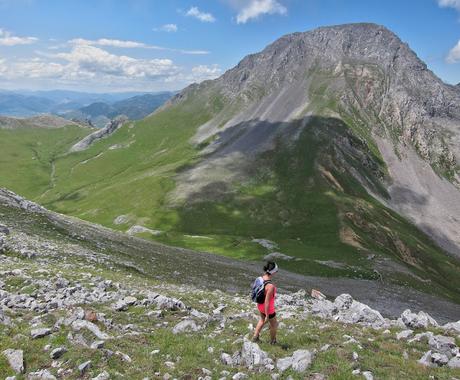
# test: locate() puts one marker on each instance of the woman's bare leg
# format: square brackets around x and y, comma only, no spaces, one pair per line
[273,329]
[259,326]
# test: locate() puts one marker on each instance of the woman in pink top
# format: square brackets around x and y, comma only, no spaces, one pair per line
[267,309]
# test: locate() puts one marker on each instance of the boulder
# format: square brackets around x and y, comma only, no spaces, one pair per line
[123,304]
[454,362]
[187,325]
[42,374]
[252,355]
[323,308]
[443,344]
[416,321]
[83,324]
[226,359]
[300,361]
[452,326]
[58,352]
[426,359]
[163,302]
[83,367]
[439,359]
[40,333]
[4,319]
[351,311]
[102,376]
[368,375]
[404,334]
[15,359]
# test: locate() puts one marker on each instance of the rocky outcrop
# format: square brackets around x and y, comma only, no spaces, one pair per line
[100,134]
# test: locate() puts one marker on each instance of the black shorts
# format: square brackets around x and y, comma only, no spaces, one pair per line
[270,316]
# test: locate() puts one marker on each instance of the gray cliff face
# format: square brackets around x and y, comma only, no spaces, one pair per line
[364,67]
[362,74]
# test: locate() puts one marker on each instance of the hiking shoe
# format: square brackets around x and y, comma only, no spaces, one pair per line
[273,342]
[255,339]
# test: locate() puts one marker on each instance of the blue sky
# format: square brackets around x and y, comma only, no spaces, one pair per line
[151,45]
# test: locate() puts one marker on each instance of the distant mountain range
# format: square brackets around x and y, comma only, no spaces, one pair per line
[135,108]
[95,108]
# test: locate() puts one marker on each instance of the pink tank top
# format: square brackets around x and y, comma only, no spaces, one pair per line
[271,305]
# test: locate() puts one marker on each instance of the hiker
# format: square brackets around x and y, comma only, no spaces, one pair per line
[264,293]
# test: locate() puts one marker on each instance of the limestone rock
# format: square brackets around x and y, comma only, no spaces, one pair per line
[444,345]
[58,352]
[124,303]
[40,332]
[15,359]
[300,361]
[187,325]
[420,320]
[42,374]
[404,334]
[83,324]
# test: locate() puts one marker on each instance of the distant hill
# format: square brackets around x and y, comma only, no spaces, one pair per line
[41,121]
[12,104]
[135,108]
[79,105]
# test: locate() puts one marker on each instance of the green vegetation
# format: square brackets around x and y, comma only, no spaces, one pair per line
[302,195]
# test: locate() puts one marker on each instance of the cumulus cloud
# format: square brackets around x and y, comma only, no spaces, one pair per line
[202,16]
[8,39]
[454,54]
[86,66]
[253,9]
[126,44]
[170,28]
[196,74]
[450,3]
[204,72]
[93,60]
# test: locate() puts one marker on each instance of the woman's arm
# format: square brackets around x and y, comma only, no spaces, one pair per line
[269,289]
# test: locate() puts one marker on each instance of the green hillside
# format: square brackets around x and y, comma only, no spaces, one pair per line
[299,195]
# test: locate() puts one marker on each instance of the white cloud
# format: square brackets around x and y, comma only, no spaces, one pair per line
[450,3]
[202,16]
[109,42]
[88,67]
[253,9]
[7,39]
[454,54]
[204,72]
[196,74]
[89,59]
[170,28]
[126,44]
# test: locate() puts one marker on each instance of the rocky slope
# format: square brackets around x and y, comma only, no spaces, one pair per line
[364,75]
[78,301]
